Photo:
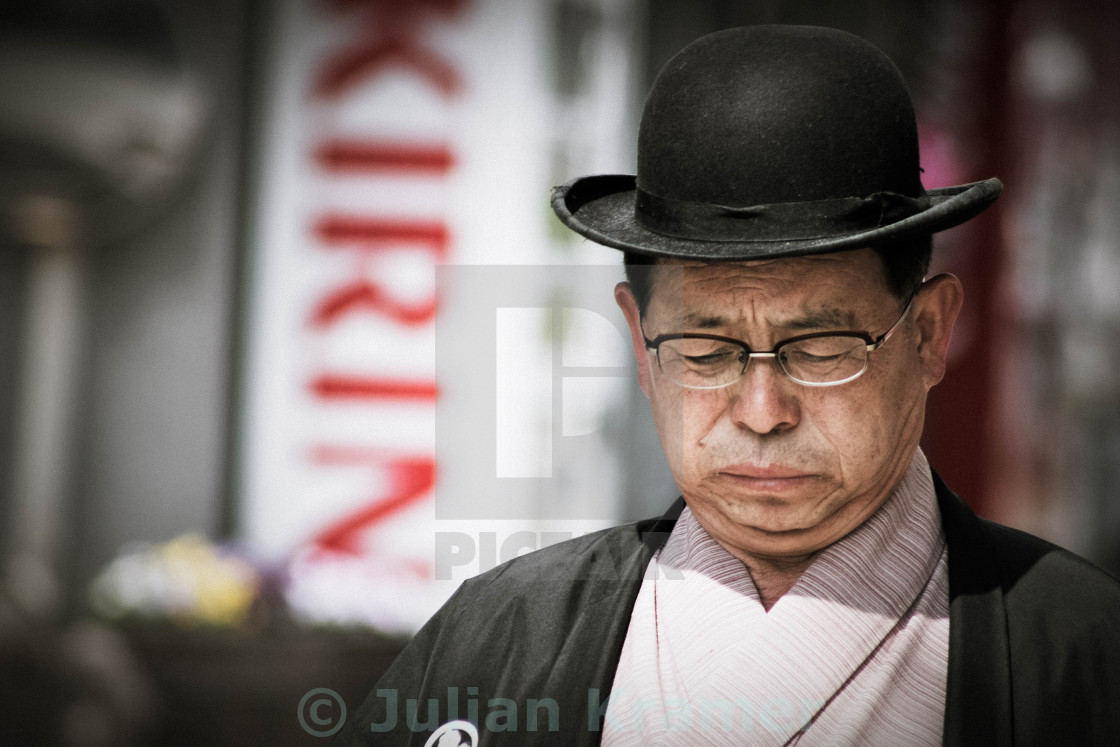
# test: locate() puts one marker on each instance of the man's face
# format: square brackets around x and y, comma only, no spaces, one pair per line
[770,467]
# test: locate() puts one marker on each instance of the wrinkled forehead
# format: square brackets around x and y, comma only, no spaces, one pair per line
[838,284]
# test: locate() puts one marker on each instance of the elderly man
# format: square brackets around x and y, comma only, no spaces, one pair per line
[817,583]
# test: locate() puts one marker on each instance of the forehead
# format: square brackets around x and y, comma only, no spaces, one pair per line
[841,280]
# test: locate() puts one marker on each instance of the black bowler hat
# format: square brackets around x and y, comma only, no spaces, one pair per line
[771,141]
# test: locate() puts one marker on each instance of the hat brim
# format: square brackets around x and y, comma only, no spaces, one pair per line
[601,208]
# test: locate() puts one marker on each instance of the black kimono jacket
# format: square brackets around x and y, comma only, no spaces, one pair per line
[528,650]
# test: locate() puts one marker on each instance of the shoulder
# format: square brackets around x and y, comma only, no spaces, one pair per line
[556,578]
[1033,650]
[1052,597]
[552,582]
[550,575]
[598,554]
[1040,577]
[1058,608]
[511,631]
[1034,576]
[618,554]
[1062,614]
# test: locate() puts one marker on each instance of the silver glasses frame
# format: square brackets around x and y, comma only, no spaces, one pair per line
[872,343]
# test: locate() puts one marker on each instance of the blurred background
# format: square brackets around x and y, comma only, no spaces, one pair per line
[249,282]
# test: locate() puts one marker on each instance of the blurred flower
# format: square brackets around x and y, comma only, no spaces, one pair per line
[188,580]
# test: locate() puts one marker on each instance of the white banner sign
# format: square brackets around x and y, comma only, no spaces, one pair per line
[397,135]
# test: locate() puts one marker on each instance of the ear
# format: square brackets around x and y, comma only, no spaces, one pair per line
[624,296]
[935,312]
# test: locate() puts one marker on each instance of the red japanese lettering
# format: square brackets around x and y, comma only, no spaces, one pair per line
[409,479]
[390,39]
[380,156]
[342,387]
[368,296]
[362,293]
[337,229]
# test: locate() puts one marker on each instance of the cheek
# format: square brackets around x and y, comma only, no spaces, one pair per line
[864,429]
[854,432]
[683,418]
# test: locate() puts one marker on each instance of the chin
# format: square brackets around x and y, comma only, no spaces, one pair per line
[777,515]
[792,507]
[788,526]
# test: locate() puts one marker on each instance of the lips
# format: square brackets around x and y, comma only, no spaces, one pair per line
[768,472]
[771,479]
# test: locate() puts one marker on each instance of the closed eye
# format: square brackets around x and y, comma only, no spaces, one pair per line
[804,357]
[711,359]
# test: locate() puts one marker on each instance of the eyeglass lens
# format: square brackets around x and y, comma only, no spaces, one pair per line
[703,363]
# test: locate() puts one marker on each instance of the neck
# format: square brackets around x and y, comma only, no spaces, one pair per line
[773,577]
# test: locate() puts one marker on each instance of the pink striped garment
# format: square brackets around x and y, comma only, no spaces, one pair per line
[856,653]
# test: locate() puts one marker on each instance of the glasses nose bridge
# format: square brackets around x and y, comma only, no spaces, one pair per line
[751,354]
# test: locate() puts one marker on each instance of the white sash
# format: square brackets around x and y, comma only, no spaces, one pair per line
[855,653]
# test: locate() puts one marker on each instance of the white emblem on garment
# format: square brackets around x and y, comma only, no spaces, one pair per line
[454,734]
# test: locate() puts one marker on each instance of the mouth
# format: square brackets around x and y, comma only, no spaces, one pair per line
[772,478]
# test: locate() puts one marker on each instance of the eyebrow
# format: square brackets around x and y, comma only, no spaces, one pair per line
[697,320]
[823,319]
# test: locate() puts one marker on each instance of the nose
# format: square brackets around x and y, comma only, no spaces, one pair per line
[764,400]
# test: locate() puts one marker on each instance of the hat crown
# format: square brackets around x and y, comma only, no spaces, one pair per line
[775,114]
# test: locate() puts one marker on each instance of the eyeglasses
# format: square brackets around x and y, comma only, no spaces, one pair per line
[698,361]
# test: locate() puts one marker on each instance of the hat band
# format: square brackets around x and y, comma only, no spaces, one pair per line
[779,221]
